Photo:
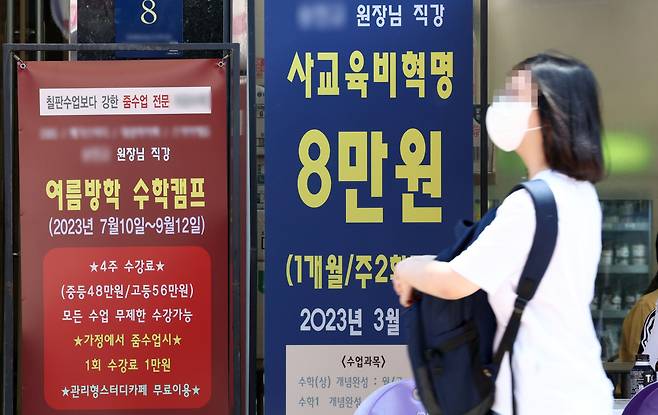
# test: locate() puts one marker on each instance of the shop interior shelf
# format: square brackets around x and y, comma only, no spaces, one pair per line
[624,269]
[625,227]
[610,314]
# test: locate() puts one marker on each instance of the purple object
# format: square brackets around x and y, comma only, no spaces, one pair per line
[394,398]
[648,395]
[650,404]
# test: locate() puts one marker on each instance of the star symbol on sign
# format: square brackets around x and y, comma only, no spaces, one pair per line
[160,266]
[78,341]
[196,390]
[177,340]
[65,392]
[94,267]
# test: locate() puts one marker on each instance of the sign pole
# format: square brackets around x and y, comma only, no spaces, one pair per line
[9,374]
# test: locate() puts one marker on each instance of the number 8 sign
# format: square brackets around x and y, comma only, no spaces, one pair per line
[149,16]
[148,21]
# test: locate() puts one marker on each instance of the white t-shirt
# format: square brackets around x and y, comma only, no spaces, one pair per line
[557,366]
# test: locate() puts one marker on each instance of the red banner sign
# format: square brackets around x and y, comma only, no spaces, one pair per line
[124,237]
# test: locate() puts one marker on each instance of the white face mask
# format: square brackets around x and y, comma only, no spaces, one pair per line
[507,123]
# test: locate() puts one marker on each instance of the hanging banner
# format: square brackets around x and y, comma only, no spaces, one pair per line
[124,237]
[369,160]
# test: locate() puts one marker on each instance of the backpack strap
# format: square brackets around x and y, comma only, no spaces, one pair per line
[541,252]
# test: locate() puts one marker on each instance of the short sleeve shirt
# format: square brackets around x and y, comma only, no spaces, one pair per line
[556,360]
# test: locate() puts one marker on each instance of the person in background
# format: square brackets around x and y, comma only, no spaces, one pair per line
[639,322]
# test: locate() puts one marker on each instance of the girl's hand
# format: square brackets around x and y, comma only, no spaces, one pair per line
[410,266]
[405,291]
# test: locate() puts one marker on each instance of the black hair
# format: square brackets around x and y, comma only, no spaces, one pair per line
[653,285]
[568,102]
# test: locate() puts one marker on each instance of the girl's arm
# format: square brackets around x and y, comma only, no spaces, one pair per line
[429,276]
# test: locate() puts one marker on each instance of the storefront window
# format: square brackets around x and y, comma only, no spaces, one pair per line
[613,38]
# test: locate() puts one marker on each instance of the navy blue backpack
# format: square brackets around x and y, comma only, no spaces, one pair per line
[450,342]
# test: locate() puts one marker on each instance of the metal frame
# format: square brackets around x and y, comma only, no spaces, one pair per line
[40,29]
[10,226]
[484,101]
[252,222]
[227,19]
[9,24]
